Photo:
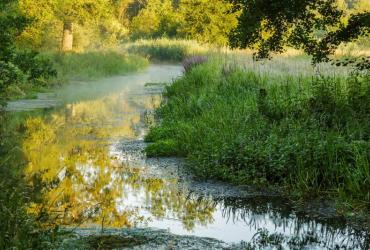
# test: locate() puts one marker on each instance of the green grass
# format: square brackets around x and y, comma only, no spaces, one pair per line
[292,62]
[168,49]
[93,65]
[308,134]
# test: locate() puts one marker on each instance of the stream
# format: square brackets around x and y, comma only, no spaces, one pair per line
[85,145]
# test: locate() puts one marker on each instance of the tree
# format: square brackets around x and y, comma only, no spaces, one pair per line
[121,9]
[157,18]
[65,14]
[18,66]
[207,21]
[12,23]
[316,26]
[71,11]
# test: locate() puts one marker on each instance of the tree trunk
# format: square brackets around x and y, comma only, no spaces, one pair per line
[67,43]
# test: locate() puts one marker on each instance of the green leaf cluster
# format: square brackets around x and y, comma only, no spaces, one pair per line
[316,26]
[201,20]
[15,66]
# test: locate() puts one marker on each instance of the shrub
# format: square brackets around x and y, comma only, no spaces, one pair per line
[24,70]
[9,74]
[37,68]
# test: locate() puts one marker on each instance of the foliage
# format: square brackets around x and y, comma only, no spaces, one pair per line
[200,20]
[11,24]
[17,67]
[9,74]
[207,21]
[310,135]
[95,23]
[104,23]
[317,27]
[157,19]
[37,68]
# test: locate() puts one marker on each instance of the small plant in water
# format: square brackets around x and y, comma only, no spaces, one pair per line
[193,61]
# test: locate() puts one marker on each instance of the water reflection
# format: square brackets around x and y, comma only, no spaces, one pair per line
[86,183]
[70,150]
[89,160]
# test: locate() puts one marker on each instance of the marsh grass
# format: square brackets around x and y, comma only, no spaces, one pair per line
[292,61]
[309,134]
[171,50]
[93,65]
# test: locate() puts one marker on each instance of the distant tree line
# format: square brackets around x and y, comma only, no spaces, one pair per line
[74,24]
[316,26]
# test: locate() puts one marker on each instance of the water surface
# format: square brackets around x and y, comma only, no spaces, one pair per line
[86,154]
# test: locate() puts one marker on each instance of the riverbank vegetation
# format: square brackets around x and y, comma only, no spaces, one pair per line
[296,122]
[93,65]
[172,30]
[308,134]
[53,69]
[170,50]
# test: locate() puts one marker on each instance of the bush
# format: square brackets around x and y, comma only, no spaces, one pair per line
[37,68]
[309,134]
[24,70]
[10,74]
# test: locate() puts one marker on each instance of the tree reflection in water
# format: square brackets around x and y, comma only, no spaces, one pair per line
[83,184]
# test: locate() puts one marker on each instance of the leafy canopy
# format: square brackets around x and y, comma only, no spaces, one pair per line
[208,21]
[17,66]
[12,24]
[316,26]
